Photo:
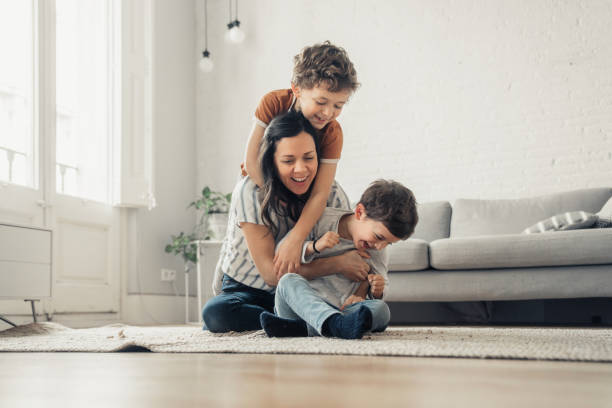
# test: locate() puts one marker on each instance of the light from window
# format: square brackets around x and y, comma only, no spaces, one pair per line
[17,163]
[83,98]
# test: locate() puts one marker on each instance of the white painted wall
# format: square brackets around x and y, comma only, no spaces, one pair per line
[146,233]
[471,98]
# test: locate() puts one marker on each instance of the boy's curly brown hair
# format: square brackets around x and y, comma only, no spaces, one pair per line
[392,204]
[327,64]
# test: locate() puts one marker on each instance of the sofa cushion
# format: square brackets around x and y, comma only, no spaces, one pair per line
[581,247]
[588,281]
[564,222]
[493,217]
[434,221]
[409,255]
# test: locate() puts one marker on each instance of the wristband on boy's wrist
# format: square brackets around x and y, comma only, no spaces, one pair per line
[314,247]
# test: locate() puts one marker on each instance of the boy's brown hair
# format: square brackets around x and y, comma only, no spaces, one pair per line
[327,64]
[392,204]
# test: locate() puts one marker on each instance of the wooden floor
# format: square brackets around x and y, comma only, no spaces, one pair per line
[239,380]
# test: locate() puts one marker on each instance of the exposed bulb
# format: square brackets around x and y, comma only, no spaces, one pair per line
[206,64]
[234,34]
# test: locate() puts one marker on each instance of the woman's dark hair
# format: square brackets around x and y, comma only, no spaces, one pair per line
[275,197]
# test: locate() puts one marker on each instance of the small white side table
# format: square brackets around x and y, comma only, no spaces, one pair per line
[203,246]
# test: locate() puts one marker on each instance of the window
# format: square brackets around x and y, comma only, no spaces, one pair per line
[87,143]
[84,97]
[17,138]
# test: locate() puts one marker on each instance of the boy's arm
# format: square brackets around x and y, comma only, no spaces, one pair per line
[329,240]
[251,155]
[308,249]
[378,277]
[287,258]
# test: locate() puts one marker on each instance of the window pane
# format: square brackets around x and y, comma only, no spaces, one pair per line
[83,92]
[17,164]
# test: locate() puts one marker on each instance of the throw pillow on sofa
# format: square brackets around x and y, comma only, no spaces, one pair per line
[563,222]
[605,216]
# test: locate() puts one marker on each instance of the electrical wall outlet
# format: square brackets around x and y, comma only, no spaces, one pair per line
[168,275]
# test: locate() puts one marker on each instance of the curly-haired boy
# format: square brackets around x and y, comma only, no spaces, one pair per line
[323,80]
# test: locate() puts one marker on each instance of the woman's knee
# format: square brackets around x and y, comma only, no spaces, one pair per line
[216,312]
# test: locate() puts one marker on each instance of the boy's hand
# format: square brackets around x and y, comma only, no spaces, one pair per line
[288,257]
[377,285]
[329,240]
[353,266]
[350,300]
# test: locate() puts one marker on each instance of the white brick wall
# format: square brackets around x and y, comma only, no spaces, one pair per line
[479,99]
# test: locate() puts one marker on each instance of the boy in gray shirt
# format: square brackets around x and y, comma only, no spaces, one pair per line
[333,305]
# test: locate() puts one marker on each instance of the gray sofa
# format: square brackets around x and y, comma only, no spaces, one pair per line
[470,263]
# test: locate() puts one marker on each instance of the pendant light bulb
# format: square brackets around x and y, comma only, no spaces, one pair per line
[234,33]
[206,65]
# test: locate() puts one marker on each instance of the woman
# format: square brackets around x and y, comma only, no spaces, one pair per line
[258,220]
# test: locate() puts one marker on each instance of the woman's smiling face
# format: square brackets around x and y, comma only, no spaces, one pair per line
[296,162]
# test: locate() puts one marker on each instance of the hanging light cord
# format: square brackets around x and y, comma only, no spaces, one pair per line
[234,22]
[231,22]
[206,53]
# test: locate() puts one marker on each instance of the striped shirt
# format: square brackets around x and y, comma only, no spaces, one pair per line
[235,259]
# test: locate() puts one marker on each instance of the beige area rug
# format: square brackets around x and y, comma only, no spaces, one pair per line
[568,344]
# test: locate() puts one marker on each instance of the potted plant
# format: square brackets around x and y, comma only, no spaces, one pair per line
[212,223]
[183,244]
[214,207]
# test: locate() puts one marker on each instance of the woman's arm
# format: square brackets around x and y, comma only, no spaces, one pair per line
[288,256]
[251,155]
[351,264]
[261,248]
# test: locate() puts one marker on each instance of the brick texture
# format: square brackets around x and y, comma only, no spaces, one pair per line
[474,99]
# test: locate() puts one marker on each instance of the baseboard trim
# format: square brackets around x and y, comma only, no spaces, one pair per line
[136,309]
[144,309]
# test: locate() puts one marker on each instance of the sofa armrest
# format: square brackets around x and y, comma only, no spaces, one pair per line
[409,255]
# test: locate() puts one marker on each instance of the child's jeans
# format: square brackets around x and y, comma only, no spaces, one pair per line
[296,299]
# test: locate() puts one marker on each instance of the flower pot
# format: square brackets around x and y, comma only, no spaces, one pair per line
[217,226]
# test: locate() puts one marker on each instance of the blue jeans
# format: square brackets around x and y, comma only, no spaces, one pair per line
[236,308]
[296,299]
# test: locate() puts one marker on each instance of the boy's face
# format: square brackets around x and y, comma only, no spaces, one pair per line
[319,105]
[296,162]
[369,233]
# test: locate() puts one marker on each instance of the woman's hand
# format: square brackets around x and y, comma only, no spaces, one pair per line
[329,240]
[350,300]
[288,257]
[377,285]
[353,266]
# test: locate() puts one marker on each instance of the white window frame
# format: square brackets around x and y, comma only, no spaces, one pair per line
[135,184]
[132,148]
[34,161]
